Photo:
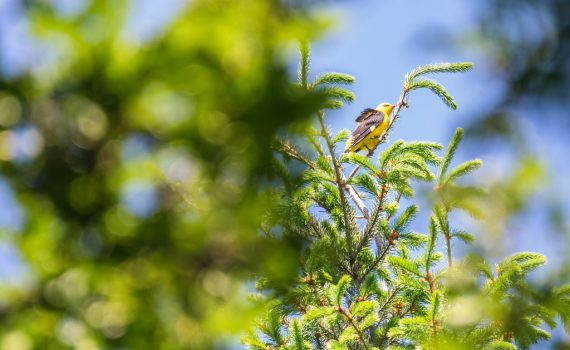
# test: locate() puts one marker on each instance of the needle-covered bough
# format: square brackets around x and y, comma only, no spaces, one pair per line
[367,280]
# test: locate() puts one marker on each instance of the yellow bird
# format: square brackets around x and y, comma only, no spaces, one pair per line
[371,125]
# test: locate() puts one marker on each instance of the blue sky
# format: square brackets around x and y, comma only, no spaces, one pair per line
[374,43]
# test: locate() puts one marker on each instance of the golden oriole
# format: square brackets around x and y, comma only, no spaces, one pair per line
[371,125]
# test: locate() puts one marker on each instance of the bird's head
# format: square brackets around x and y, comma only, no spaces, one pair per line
[385,108]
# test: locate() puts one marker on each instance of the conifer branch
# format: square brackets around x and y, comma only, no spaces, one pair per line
[288,149]
[377,261]
[437,89]
[319,342]
[374,220]
[439,68]
[462,170]
[357,200]
[305,51]
[297,334]
[443,224]
[339,182]
[448,248]
[350,319]
[314,227]
[389,299]
[334,78]
[337,93]
[431,243]
[457,136]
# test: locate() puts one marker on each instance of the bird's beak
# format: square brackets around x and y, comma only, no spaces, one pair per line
[394,106]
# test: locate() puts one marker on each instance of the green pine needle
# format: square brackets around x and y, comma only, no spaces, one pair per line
[334,78]
[317,175]
[441,216]
[522,258]
[450,153]
[435,305]
[305,51]
[431,243]
[317,313]
[404,264]
[359,160]
[364,308]
[466,237]
[324,164]
[368,285]
[459,67]
[342,136]
[333,104]
[405,219]
[365,182]
[562,291]
[436,88]
[414,240]
[338,93]
[421,166]
[390,152]
[501,345]
[348,335]
[297,335]
[342,287]
[514,268]
[336,345]
[477,263]
[463,169]
[274,326]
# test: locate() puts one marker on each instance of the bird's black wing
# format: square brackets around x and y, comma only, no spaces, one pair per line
[365,128]
[365,113]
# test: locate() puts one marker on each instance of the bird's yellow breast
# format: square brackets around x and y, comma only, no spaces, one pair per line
[376,132]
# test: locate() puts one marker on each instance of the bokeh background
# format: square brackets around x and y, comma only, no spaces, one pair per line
[134,148]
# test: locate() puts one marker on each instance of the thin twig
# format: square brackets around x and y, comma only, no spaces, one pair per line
[318,341]
[388,300]
[448,244]
[372,223]
[447,235]
[378,243]
[315,227]
[350,319]
[357,200]
[288,149]
[338,172]
[375,263]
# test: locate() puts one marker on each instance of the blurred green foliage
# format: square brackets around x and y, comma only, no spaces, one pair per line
[142,167]
[527,44]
